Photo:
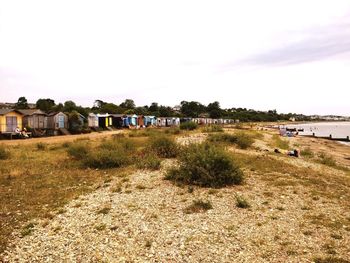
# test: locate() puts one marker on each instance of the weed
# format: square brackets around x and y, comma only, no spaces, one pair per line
[100,227]
[326,159]
[198,206]
[307,152]
[41,146]
[148,161]
[27,230]
[4,153]
[241,202]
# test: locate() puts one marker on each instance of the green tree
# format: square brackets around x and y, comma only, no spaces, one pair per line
[214,110]
[128,104]
[22,103]
[45,104]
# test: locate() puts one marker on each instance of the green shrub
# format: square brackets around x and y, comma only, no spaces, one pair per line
[164,147]
[241,202]
[78,150]
[244,140]
[205,165]
[213,128]
[189,125]
[119,144]
[326,160]
[41,146]
[148,161]
[241,139]
[198,206]
[105,158]
[307,152]
[4,153]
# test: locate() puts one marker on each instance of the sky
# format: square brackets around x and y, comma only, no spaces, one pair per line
[291,55]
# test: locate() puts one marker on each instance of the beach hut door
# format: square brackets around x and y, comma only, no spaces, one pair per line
[60,122]
[11,124]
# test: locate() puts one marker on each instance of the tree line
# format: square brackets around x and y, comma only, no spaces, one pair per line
[185,109]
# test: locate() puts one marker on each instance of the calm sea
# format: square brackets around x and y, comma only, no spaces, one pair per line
[324,129]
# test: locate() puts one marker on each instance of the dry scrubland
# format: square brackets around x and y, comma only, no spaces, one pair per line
[104,198]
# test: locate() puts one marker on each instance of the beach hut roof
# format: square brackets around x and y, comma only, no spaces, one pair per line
[54,113]
[28,112]
[5,111]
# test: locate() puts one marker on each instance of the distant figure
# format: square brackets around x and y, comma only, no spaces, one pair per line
[17,131]
[294,153]
[24,133]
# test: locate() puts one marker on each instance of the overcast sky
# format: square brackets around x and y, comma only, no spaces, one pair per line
[293,56]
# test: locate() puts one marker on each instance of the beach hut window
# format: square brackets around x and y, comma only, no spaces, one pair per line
[11,123]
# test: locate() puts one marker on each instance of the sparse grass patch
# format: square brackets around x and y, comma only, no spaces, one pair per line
[242,139]
[189,125]
[105,158]
[173,130]
[149,161]
[78,150]
[280,143]
[205,165]
[198,206]
[241,202]
[4,153]
[326,159]
[307,152]
[41,146]
[212,128]
[164,147]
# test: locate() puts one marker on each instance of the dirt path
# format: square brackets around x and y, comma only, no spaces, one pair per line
[63,138]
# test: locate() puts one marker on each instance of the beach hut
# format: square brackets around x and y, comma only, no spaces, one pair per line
[172,121]
[118,120]
[9,120]
[57,122]
[105,121]
[161,122]
[140,121]
[34,119]
[93,121]
[149,121]
[132,120]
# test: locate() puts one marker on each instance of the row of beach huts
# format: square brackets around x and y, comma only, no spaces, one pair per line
[55,123]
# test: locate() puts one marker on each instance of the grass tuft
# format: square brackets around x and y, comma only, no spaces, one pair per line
[198,206]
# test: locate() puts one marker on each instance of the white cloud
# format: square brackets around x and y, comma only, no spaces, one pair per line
[168,51]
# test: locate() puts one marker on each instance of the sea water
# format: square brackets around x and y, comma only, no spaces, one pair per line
[338,130]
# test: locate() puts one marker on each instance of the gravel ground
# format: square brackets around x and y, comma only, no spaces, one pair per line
[144,221]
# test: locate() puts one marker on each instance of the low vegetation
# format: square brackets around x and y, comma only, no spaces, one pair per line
[78,150]
[41,146]
[164,147]
[212,128]
[326,159]
[241,139]
[198,206]
[241,202]
[307,152]
[148,161]
[4,153]
[278,142]
[190,126]
[205,165]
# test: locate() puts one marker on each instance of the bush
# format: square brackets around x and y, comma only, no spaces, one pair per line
[148,161]
[164,147]
[205,165]
[41,146]
[189,125]
[78,150]
[4,153]
[244,141]
[118,144]
[241,139]
[105,158]
[213,128]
